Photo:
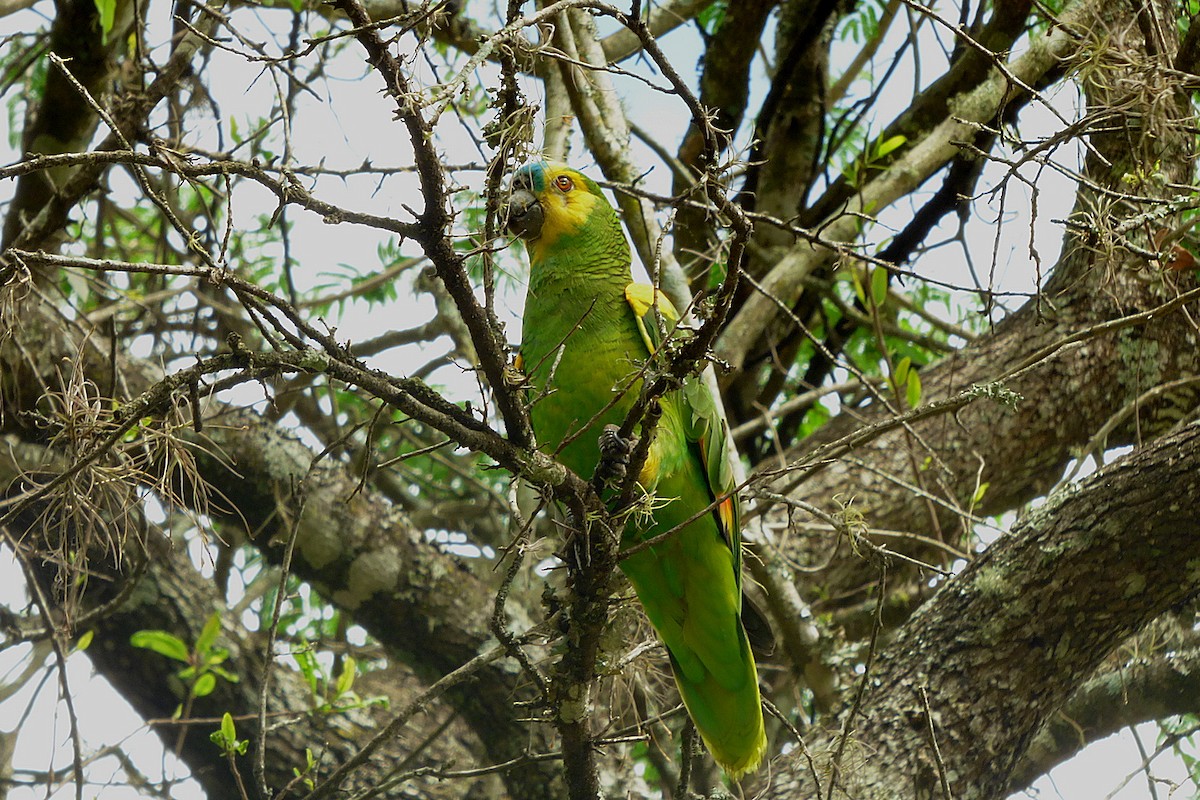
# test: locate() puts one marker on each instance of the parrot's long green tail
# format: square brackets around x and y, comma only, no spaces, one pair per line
[729,719]
[690,589]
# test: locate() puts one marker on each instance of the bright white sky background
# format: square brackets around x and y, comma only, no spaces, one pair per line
[352,123]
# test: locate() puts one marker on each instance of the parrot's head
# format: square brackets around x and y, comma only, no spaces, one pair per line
[550,200]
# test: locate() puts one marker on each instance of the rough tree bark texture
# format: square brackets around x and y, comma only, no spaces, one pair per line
[982,665]
[1126,691]
[425,606]
[1020,452]
[996,651]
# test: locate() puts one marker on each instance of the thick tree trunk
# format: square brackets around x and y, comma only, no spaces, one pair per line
[170,595]
[425,606]
[990,457]
[997,650]
[960,692]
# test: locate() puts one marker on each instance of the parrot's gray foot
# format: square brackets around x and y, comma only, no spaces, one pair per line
[614,455]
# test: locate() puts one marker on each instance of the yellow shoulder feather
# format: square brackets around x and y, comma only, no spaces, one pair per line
[641,298]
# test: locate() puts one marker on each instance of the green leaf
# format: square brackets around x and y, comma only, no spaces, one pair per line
[858,289]
[84,641]
[205,685]
[711,17]
[227,728]
[224,673]
[346,679]
[716,274]
[888,145]
[207,636]
[913,393]
[218,655]
[980,491]
[900,376]
[108,14]
[308,668]
[163,643]
[879,286]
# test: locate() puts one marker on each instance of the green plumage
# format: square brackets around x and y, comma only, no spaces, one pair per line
[583,345]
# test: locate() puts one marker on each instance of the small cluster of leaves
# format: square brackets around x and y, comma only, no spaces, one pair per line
[202,661]
[862,25]
[874,299]
[310,768]
[900,359]
[350,277]
[472,216]
[257,133]
[433,475]
[1180,732]
[857,167]
[226,739]
[331,694]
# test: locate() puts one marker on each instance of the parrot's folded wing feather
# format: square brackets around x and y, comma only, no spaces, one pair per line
[703,423]
[709,432]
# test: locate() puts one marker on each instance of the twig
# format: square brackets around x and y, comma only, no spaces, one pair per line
[500,623]
[60,655]
[783,720]
[687,759]
[818,459]
[189,236]
[448,681]
[299,496]
[856,705]
[937,751]
[432,227]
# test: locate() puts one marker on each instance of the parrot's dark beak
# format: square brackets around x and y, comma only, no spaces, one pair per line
[525,214]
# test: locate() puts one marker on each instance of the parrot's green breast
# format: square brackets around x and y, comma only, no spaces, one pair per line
[597,360]
[580,343]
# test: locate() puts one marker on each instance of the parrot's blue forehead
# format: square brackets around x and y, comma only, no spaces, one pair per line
[533,175]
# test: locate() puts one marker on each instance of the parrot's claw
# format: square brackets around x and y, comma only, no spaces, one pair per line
[614,455]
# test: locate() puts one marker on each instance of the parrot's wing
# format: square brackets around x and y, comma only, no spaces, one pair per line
[704,424]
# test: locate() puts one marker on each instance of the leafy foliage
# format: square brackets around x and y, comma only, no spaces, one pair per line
[202,660]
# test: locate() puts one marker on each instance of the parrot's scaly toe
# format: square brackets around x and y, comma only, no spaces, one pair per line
[614,454]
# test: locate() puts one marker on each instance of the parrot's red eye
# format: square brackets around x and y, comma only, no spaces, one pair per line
[563,183]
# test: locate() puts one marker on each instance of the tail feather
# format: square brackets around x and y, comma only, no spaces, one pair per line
[729,721]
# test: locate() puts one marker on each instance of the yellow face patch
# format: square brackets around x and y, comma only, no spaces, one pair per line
[567,204]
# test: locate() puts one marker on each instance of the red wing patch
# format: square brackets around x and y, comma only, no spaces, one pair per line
[727,519]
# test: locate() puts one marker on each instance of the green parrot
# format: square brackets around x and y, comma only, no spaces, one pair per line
[587,332]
